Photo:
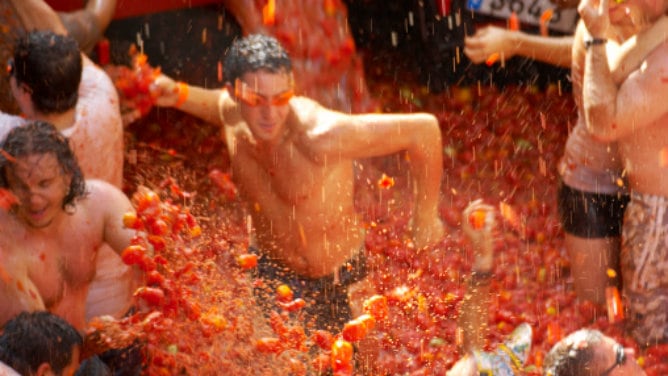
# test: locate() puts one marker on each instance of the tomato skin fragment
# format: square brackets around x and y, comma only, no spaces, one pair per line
[376,306]
[269,345]
[323,339]
[247,261]
[341,355]
[477,219]
[153,296]
[284,293]
[133,254]
[292,306]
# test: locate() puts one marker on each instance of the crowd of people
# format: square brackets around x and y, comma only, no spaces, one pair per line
[292,161]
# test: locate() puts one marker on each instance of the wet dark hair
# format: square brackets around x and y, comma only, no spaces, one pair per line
[33,338]
[39,137]
[573,355]
[253,53]
[93,366]
[50,65]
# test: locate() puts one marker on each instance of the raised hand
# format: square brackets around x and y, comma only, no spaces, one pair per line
[594,14]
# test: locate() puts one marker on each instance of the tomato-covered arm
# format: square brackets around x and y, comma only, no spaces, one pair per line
[477,224]
[509,43]
[339,135]
[200,102]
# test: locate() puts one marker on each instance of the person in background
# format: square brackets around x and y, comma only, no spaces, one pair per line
[53,81]
[478,224]
[292,160]
[632,112]
[587,352]
[49,239]
[39,343]
[592,194]
[86,25]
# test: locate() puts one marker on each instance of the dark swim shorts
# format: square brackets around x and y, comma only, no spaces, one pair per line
[327,303]
[591,215]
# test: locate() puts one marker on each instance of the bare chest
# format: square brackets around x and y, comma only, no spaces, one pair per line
[56,265]
[291,177]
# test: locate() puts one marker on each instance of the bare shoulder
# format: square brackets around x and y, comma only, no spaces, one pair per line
[657,60]
[308,114]
[100,193]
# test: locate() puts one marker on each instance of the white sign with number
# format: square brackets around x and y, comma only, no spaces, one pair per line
[528,11]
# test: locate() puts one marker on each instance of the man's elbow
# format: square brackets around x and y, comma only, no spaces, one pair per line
[601,128]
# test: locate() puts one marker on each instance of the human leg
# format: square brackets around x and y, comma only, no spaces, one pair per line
[592,227]
[590,260]
[644,263]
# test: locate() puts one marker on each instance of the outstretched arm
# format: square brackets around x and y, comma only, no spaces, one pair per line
[508,43]
[478,224]
[205,104]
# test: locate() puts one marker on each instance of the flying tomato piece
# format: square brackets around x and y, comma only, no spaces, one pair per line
[247,261]
[358,328]
[133,254]
[492,59]
[386,182]
[323,339]
[292,306]
[477,219]
[130,220]
[376,306]
[341,355]
[269,13]
[153,296]
[269,345]
[545,18]
[284,293]
[513,22]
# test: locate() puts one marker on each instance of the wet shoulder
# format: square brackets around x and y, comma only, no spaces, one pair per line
[100,193]
[97,94]
[658,59]
[305,113]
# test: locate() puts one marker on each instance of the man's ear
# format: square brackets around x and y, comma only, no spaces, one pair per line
[44,369]
[23,96]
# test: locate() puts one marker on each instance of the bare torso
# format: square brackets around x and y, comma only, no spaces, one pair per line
[643,153]
[302,206]
[55,264]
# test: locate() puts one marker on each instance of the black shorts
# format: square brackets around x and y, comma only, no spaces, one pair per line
[327,303]
[591,215]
